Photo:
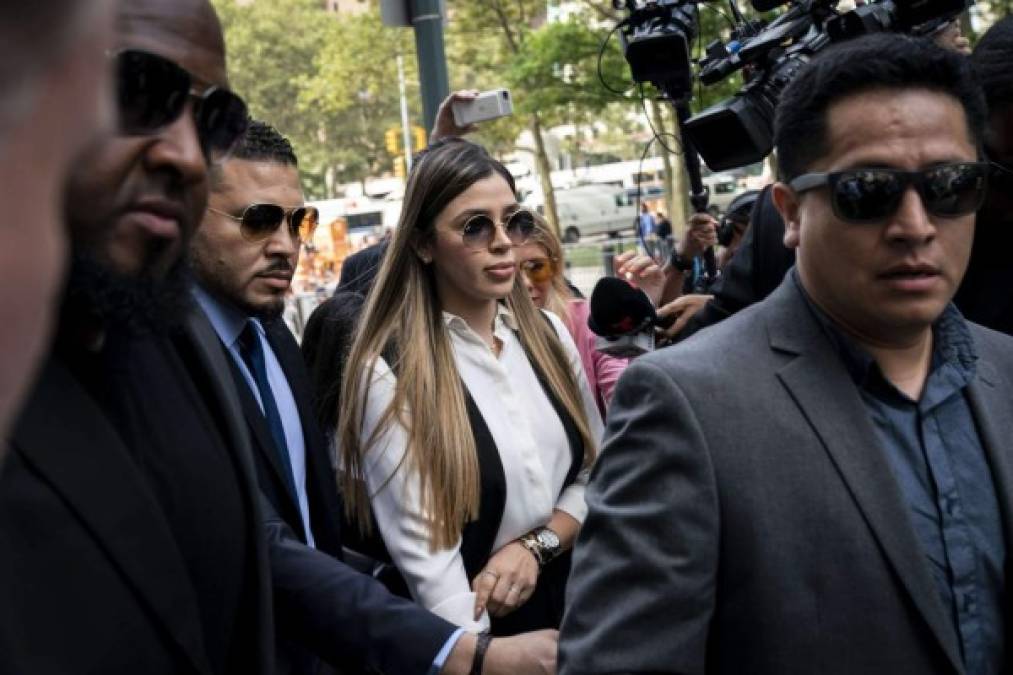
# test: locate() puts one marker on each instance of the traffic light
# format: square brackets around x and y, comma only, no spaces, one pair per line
[418,137]
[399,166]
[392,139]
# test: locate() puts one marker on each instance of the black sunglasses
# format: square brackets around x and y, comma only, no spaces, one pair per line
[870,195]
[260,221]
[480,230]
[152,92]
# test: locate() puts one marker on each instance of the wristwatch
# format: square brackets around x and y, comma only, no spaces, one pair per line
[543,543]
[680,263]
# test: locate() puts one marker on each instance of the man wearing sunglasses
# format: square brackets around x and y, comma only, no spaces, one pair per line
[54,99]
[822,483]
[131,525]
[244,255]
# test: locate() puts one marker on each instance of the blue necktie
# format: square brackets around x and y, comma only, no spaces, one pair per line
[252,352]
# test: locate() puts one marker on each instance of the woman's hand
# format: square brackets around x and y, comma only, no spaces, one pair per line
[445,126]
[507,581]
[643,272]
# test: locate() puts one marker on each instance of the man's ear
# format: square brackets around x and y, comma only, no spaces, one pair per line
[786,203]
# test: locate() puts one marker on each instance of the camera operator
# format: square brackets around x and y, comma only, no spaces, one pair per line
[685,271]
[731,232]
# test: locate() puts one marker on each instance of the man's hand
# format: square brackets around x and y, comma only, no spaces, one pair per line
[506,582]
[701,235]
[643,272]
[683,308]
[444,125]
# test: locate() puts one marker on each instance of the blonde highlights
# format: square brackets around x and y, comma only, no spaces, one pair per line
[403,311]
[558,300]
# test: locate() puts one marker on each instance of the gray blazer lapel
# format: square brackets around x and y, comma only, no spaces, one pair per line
[65,437]
[824,391]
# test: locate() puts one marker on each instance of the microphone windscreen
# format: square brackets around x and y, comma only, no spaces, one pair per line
[618,308]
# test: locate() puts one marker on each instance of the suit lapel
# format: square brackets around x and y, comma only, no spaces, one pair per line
[84,460]
[825,393]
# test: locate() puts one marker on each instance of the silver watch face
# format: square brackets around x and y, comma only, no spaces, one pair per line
[548,539]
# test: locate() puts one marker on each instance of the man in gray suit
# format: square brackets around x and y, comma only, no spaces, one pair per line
[824,482]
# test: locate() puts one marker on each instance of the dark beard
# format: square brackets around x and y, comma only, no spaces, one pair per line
[138,306]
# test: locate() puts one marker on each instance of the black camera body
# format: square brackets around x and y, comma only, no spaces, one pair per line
[656,39]
[739,130]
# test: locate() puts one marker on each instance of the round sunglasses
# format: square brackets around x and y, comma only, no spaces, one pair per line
[539,270]
[152,92]
[874,194]
[479,231]
[260,221]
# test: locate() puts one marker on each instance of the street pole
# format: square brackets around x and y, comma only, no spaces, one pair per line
[434,84]
[406,133]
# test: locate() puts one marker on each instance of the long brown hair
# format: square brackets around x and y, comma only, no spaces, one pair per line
[404,309]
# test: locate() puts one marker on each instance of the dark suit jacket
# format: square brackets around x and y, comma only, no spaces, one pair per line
[324,606]
[321,488]
[94,581]
[744,519]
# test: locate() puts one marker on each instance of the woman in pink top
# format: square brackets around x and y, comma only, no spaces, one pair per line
[541,262]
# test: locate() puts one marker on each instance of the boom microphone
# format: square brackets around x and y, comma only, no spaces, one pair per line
[622,317]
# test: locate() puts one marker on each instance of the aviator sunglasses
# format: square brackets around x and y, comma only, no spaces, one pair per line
[539,270]
[874,194]
[152,93]
[480,230]
[260,221]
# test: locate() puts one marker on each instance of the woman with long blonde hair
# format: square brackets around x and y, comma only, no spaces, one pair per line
[468,428]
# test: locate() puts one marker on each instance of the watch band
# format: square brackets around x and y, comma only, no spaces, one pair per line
[530,542]
[480,648]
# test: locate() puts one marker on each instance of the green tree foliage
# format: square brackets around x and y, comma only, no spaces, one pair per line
[328,82]
[354,92]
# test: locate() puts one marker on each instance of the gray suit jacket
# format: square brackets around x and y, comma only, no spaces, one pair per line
[743,518]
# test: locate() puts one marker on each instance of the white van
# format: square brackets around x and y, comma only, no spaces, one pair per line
[589,210]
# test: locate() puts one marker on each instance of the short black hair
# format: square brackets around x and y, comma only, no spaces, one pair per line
[879,61]
[991,60]
[262,142]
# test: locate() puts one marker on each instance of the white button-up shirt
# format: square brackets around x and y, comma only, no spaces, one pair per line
[532,445]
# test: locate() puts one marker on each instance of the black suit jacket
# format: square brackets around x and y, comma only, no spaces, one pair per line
[321,488]
[94,581]
[324,606]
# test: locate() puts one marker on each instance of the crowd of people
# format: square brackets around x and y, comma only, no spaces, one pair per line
[447,475]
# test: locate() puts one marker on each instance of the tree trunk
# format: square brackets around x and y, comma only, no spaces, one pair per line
[545,175]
